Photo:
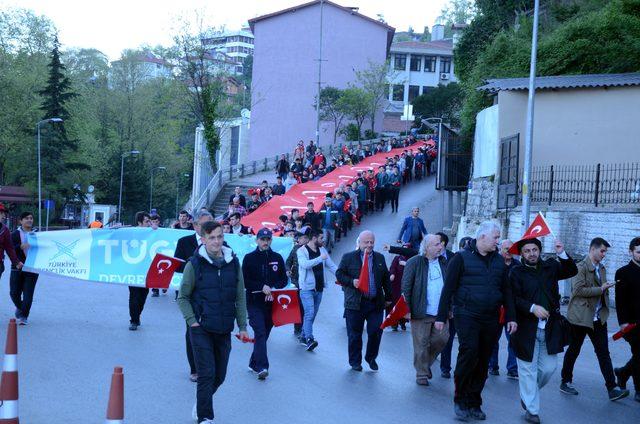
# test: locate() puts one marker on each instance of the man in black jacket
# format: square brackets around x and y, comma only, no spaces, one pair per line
[628,310]
[360,308]
[263,270]
[22,283]
[185,249]
[138,295]
[478,282]
[539,338]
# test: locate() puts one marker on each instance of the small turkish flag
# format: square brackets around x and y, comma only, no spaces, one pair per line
[363,279]
[538,228]
[285,308]
[397,313]
[161,271]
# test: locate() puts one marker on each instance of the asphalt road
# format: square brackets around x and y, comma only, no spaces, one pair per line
[78,333]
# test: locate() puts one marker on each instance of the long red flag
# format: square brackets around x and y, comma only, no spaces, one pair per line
[363,279]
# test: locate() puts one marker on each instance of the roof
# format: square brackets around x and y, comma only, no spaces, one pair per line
[445,45]
[563,81]
[353,11]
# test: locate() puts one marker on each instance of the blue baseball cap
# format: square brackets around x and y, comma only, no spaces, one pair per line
[264,233]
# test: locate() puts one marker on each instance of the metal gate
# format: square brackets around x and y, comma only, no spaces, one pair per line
[455,161]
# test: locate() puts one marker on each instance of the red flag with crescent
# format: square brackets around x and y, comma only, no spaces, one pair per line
[285,308]
[397,313]
[161,271]
[538,228]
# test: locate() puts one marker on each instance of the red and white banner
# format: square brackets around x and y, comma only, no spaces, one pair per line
[314,191]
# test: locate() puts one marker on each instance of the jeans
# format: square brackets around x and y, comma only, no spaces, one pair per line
[22,284]
[445,356]
[600,341]
[512,365]
[311,302]
[261,323]
[536,374]
[211,354]
[329,238]
[355,326]
[137,298]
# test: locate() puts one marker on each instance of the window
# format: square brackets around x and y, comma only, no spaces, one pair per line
[424,89]
[398,93]
[414,91]
[445,65]
[400,62]
[415,63]
[429,63]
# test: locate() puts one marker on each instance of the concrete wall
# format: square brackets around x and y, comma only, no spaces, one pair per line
[486,151]
[576,126]
[285,72]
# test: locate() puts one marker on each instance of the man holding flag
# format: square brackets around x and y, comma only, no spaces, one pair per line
[364,276]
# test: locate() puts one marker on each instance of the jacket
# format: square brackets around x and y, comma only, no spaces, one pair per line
[585,294]
[292,265]
[185,249]
[349,270]
[413,287]
[261,268]
[628,293]
[407,229]
[7,245]
[333,219]
[305,265]
[525,284]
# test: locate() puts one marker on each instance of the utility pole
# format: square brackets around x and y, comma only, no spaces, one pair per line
[319,78]
[528,144]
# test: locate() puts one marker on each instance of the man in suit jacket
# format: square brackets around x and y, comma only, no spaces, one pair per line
[185,249]
[360,308]
[588,312]
[539,338]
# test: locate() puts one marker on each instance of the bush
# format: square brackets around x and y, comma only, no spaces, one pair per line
[351,132]
[370,135]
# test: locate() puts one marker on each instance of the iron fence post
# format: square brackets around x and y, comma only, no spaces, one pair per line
[551,186]
[597,184]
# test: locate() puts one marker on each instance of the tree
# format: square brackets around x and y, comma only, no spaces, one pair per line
[443,101]
[330,110]
[458,12]
[356,104]
[374,81]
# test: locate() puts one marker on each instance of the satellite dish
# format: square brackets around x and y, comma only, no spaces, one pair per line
[90,189]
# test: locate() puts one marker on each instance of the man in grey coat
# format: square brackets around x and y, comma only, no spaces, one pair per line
[422,283]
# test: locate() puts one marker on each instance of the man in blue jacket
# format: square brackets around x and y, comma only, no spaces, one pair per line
[263,270]
[413,229]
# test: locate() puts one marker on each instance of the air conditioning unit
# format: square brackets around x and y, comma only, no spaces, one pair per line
[444,76]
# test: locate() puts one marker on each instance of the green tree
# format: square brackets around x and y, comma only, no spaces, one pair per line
[374,81]
[443,101]
[330,109]
[356,104]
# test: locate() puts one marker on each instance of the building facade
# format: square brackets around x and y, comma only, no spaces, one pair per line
[285,69]
[235,44]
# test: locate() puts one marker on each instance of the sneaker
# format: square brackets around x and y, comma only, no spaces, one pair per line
[531,418]
[302,340]
[462,413]
[193,378]
[446,374]
[422,381]
[568,388]
[373,365]
[476,413]
[403,326]
[357,368]
[155,294]
[262,375]
[22,321]
[133,327]
[617,393]
[252,370]
[621,378]
[513,375]
[494,371]
[311,344]
[207,421]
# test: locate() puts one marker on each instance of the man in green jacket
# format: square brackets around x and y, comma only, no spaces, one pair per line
[211,296]
[422,283]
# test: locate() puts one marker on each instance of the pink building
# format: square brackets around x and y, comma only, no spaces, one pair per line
[285,69]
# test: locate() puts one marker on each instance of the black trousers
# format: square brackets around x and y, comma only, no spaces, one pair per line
[211,353]
[355,326]
[261,323]
[445,355]
[476,339]
[394,194]
[22,284]
[190,359]
[381,198]
[137,298]
[632,368]
[600,341]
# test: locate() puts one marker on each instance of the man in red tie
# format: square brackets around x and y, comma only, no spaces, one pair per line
[364,276]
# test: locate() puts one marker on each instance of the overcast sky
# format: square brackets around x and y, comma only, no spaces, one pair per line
[113,25]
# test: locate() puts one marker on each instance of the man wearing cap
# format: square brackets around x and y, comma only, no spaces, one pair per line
[6,243]
[539,338]
[263,270]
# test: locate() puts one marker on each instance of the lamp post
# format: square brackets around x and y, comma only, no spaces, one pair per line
[124,155]
[151,188]
[52,120]
[178,190]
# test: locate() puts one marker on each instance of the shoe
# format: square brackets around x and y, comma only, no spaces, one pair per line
[22,321]
[302,341]
[394,328]
[207,421]
[356,368]
[617,393]
[494,371]
[133,327]
[446,374]
[462,413]
[403,326]
[568,388]
[476,413]
[252,370]
[530,418]
[422,381]
[373,365]
[262,375]
[193,378]
[621,378]
[155,294]
[311,344]
[513,375]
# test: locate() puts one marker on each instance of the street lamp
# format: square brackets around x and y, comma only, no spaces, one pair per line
[178,189]
[124,155]
[44,121]
[151,189]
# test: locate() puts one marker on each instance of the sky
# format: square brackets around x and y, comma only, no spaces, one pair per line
[111,26]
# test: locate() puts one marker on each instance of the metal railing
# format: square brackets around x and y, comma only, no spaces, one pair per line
[596,184]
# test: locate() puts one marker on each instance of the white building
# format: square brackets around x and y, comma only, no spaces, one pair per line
[235,44]
[147,67]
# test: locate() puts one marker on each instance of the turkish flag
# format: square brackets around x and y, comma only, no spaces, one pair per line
[618,335]
[363,279]
[397,313]
[161,271]
[538,228]
[285,308]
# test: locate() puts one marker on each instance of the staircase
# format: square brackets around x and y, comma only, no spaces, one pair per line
[221,203]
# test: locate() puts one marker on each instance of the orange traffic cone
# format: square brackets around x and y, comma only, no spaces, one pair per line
[9,381]
[115,409]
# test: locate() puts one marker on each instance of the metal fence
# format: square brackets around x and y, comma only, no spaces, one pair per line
[596,184]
